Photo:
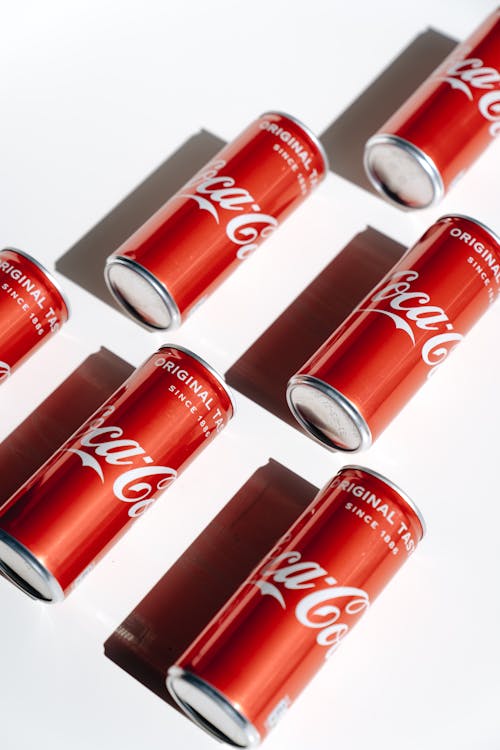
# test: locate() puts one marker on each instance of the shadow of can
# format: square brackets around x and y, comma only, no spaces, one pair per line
[185,599]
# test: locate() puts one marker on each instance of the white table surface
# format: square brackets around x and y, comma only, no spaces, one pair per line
[96,96]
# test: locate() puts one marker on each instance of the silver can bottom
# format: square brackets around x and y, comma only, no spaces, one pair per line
[25,571]
[327,415]
[402,172]
[210,709]
[141,294]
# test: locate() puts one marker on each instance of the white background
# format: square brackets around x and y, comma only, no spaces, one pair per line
[97,95]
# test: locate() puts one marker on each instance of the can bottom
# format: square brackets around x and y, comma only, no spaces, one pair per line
[141,294]
[400,171]
[327,415]
[210,710]
[23,569]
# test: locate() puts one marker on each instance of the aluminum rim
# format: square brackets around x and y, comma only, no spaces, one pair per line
[341,401]
[53,584]
[160,289]
[241,722]
[423,160]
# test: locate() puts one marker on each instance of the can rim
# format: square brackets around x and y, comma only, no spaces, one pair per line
[229,708]
[314,138]
[48,274]
[158,287]
[423,159]
[402,494]
[481,224]
[342,401]
[220,378]
[52,583]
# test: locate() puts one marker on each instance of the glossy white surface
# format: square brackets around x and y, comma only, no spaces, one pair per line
[96,96]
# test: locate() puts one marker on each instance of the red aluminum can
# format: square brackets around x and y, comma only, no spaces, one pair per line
[57,525]
[437,134]
[32,308]
[257,654]
[202,234]
[370,367]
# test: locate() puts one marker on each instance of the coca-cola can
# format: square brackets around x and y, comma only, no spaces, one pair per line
[437,134]
[61,521]
[32,308]
[216,221]
[247,667]
[369,368]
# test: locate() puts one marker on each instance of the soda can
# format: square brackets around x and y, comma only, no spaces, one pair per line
[247,667]
[32,308]
[437,134]
[216,221]
[363,375]
[61,521]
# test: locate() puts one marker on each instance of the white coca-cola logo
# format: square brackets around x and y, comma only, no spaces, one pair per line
[137,486]
[214,193]
[411,310]
[323,606]
[4,371]
[470,74]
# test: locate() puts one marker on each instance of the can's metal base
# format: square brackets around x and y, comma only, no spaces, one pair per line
[327,415]
[23,569]
[402,172]
[210,710]
[141,294]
